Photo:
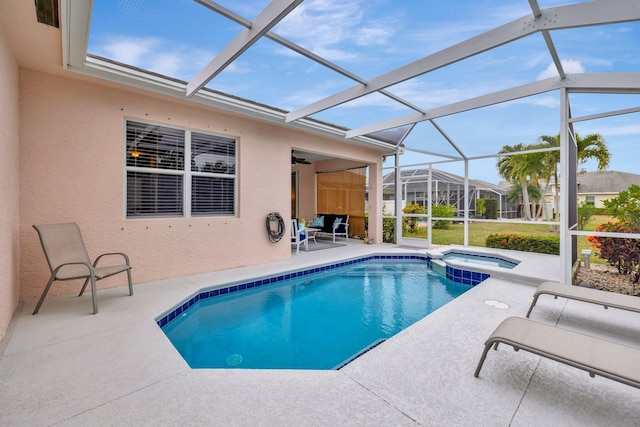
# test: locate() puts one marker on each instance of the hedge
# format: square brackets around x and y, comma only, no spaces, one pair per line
[491,208]
[524,243]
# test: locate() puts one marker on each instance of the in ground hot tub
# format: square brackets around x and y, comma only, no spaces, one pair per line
[468,266]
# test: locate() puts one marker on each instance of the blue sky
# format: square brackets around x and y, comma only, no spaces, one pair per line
[368,38]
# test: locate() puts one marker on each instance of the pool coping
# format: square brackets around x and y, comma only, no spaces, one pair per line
[51,359]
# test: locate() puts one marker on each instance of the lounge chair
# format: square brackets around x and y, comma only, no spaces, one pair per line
[68,259]
[596,356]
[579,293]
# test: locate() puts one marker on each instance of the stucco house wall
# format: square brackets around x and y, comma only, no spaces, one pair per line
[306,189]
[62,159]
[597,199]
[72,169]
[9,184]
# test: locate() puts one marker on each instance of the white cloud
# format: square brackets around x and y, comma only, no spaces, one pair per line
[127,50]
[569,66]
[329,27]
[372,36]
[296,99]
[154,54]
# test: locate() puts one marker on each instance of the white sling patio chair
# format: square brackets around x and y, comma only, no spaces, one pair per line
[296,238]
[68,259]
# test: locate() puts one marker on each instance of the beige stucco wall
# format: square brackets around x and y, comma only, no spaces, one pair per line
[72,141]
[9,187]
[306,190]
[599,198]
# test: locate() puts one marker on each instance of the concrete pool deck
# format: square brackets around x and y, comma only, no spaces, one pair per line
[68,367]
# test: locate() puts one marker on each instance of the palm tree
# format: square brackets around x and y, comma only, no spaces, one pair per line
[546,165]
[519,170]
[514,194]
[591,147]
[554,158]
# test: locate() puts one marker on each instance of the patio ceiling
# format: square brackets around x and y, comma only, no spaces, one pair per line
[379,100]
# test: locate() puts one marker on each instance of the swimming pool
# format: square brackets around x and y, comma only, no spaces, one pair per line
[319,320]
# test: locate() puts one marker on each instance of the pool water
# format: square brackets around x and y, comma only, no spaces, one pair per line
[317,321]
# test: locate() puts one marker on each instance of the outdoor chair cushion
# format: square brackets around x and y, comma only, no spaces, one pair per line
[329,219]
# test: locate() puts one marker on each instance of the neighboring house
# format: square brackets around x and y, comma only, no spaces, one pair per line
[595,187]
[598,186]
[447,189]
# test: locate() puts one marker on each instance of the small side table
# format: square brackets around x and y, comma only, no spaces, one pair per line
[311,233]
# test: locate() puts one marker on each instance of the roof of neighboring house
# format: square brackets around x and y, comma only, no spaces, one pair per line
[417,180]
[606,182]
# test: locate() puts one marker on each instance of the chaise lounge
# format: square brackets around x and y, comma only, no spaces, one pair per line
[593,296]
[596,356]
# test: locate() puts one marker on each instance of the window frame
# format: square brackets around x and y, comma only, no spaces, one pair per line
[186,173]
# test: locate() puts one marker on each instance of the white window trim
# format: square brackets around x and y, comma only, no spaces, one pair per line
[186,173]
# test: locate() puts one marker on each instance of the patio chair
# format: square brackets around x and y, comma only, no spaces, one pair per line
[596,356]
[297,238]
[593,296]
[68,259]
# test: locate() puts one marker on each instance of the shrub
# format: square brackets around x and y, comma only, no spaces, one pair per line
[480,208]
[491,207]
[388,229]
[524,243]
[624,254]
[626,207]
[442,211]
[585,211]
[411,223]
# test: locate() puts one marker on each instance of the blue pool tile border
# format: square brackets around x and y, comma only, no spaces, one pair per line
[467,277]
[461,276]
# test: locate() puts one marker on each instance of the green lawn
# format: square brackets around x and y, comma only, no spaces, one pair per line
[595,221]
[478,232]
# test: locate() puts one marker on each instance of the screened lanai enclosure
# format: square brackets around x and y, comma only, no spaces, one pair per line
[443,91]
[446,189]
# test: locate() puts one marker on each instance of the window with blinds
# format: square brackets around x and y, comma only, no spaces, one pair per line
[161,184]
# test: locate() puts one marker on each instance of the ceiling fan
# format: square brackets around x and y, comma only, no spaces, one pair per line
[299,160]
